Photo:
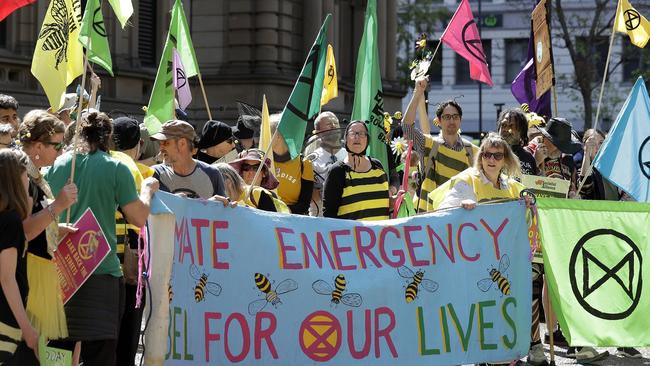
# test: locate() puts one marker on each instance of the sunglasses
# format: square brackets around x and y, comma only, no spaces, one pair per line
[497,156]
[249,167]
[57,145]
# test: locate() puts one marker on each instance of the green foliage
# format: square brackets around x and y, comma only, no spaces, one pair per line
[415,17]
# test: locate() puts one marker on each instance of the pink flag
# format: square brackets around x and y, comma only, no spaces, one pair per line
[181,83]
[462,36]
[8,6]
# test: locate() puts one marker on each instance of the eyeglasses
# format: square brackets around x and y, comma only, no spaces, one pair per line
[57,145]
[358,134]
[497,156]
[449,117]
[249,167]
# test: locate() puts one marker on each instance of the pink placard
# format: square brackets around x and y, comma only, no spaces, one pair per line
[80,253]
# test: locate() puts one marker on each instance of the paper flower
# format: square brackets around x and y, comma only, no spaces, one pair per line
[399,145]
[388,121]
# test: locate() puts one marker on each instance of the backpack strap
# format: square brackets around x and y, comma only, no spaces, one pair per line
[469,150]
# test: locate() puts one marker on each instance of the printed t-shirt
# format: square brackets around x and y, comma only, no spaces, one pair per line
[289,174]
[204,181]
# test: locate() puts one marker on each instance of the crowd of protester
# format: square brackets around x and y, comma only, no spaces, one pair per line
[119,165]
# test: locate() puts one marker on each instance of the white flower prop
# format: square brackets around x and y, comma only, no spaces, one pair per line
[399,145]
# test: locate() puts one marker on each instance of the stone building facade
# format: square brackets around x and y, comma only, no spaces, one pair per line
[245,49]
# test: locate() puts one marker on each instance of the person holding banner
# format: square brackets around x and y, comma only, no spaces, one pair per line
[41,137]
[181,174]
[95,310]
[490,178]
[16,330]
[357,187]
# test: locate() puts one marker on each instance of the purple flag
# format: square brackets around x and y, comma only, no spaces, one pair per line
[524,86]
[181,83]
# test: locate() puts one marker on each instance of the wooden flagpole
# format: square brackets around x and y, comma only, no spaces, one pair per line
[75,141]
[205,97]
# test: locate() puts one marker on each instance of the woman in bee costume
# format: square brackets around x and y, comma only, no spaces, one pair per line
[357,187]
[489,179]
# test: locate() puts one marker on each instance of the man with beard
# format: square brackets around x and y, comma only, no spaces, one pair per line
[513,127]
[328,153]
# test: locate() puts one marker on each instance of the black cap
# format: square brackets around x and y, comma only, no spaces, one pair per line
[214,133]
[126,133]
[241,131]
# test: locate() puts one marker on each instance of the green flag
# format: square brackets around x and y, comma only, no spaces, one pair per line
[123,10]
[304,103]
[368,95]
[93,36]
[161,103]
[594,268]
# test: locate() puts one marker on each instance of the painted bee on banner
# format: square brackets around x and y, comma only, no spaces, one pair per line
[203,285]
[497,276]
[323,288]
[417,279]
[271,296]
[56,35]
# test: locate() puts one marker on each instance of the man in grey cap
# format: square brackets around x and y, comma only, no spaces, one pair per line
[180,173]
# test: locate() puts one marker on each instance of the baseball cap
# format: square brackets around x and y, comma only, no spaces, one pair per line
[214,133]
[175,129]
[126,133]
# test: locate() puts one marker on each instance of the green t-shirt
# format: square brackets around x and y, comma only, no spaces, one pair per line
[104,184]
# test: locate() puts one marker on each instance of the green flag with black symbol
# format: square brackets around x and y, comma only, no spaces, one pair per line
[595,269]
[161,103]
[368,94]
[304,103]
[93,36]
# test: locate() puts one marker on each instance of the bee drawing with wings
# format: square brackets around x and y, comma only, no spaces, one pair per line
[270,296]
[203,285]
[55,35]
[498,277]
[337,293]
[416,279]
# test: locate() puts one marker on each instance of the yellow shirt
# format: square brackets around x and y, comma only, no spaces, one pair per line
[289,174]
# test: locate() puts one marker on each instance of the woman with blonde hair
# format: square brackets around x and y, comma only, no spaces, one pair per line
[41,138]
[490,178]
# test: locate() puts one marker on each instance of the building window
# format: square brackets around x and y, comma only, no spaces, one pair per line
[516,57]
[147,43]
[462,65]
[3,34]
[635,61]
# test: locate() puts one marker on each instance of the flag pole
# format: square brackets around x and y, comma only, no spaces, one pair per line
[205,97]
[587,153]
[75,141]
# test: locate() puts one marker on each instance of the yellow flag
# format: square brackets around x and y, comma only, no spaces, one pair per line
[265,133]
[630,21]
[58,57]
[330,82]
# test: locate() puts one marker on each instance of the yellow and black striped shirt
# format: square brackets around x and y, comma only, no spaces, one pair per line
[356,196]
[448,163]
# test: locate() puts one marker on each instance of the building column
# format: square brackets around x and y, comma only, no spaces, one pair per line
[391,42]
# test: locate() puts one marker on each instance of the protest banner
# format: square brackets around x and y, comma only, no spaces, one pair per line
[80,253]
[594,269]
[254,287]
[546,187]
